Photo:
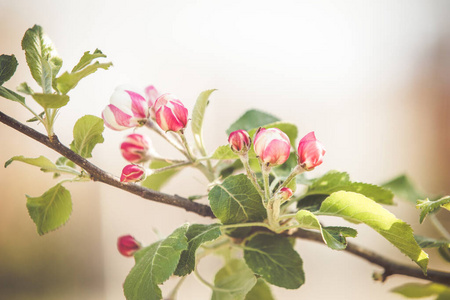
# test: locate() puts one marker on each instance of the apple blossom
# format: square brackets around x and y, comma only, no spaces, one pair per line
[272,146]
[135,148]
[239,141]
[310,152]
[170,113]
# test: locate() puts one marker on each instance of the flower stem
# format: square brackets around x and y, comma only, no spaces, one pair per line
[186,145]
[251,175]
[265,172]
[151,125]
[256,224]
[295,171]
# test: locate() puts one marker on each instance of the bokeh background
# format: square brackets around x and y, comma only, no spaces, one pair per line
[371,78]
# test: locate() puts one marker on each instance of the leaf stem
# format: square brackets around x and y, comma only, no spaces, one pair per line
[265,172]
[251,224]
[186,146]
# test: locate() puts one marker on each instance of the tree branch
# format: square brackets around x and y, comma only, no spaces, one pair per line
[98,174]
[390,267]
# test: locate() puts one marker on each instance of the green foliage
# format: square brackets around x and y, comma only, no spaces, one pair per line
[402,187]
[236,201]
[41,57]
[196,235]
[261,291]
[357,207]
[50,210]
[67,81]
[87,133]
[233,281]
[8,66]
[252,119]
[158,180]
[334,237]
[25,88]
[288,128]
[51,100]
[224,152]
[154,265]
[10,95]
[45,164]
[274,259]
[421,290]
[427,206]
[197,117]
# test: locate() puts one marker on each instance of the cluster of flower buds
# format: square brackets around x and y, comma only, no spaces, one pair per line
[127,245]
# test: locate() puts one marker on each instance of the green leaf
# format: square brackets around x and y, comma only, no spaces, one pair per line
[427,242]
[261,291]
[252,119]
[44,163]
[224,152]
[288,128]
[86,59]
[334,237]
[25,88]
[10,95]
[51,100]
[233,281]
[402,187]
[427,206]
[236,201]
[444,251]
[50,210]
[357,207]
[421,290]
[41,57]
[197,117]
[274,259]
[35,119]
[196,235]
[334,181]
[87,133]
[158,180]
[154,265]
[8,66]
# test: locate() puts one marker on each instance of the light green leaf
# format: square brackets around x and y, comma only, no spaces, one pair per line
[421,290]
[274,259]
[236,201]
[158,180]
[427,242]
[154,265]
[288,128]
[10,95]
[359,208]
[427,206]
[86,59]
[51,100]
[25,88]
[197,118]
[196,235]
[44,163]
[224,152]
[8,66]
[233,281]
[41,57]
[402,187]
[50,210]
[334,237]
[252,119]
[261,291]
[87,133]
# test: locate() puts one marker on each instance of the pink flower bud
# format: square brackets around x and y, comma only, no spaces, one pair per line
[127,245]
[170,113]
[127,110]
[239,141]
[151,94]
[272,146]
[132,173]
[285,193]
[135,148]
[310,152]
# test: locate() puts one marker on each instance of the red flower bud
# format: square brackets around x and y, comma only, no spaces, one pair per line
[132,173]
[135,148]
[272,146]
[285,193]
[127,245]
[239,141]
[170,113]
[310,152]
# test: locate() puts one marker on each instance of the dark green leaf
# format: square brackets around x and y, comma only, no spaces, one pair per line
[288,128]
[236,201]
[357,207]
[444,251]
[252,119]
[196,235]
[427,206]
[50,210]
[421,290]
[51,100]
[402,187]
[87,133]
[8,66]
[158,180]
[311,202]
[154,265]
[86,59]
[427,242]
[10,95]
[35,119]
[274,259]
[197,117]
[261,291]
[25,88]
[233,281]
[44,163]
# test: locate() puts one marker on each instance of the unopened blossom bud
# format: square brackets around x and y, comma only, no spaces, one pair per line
[127,110]
[151,94]
[127,245]
[285,193]
[239,141]
[310,152]
[272,146]
[135,148]
[132,173]
[170,113]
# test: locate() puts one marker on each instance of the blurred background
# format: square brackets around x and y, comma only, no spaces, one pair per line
[371,78]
